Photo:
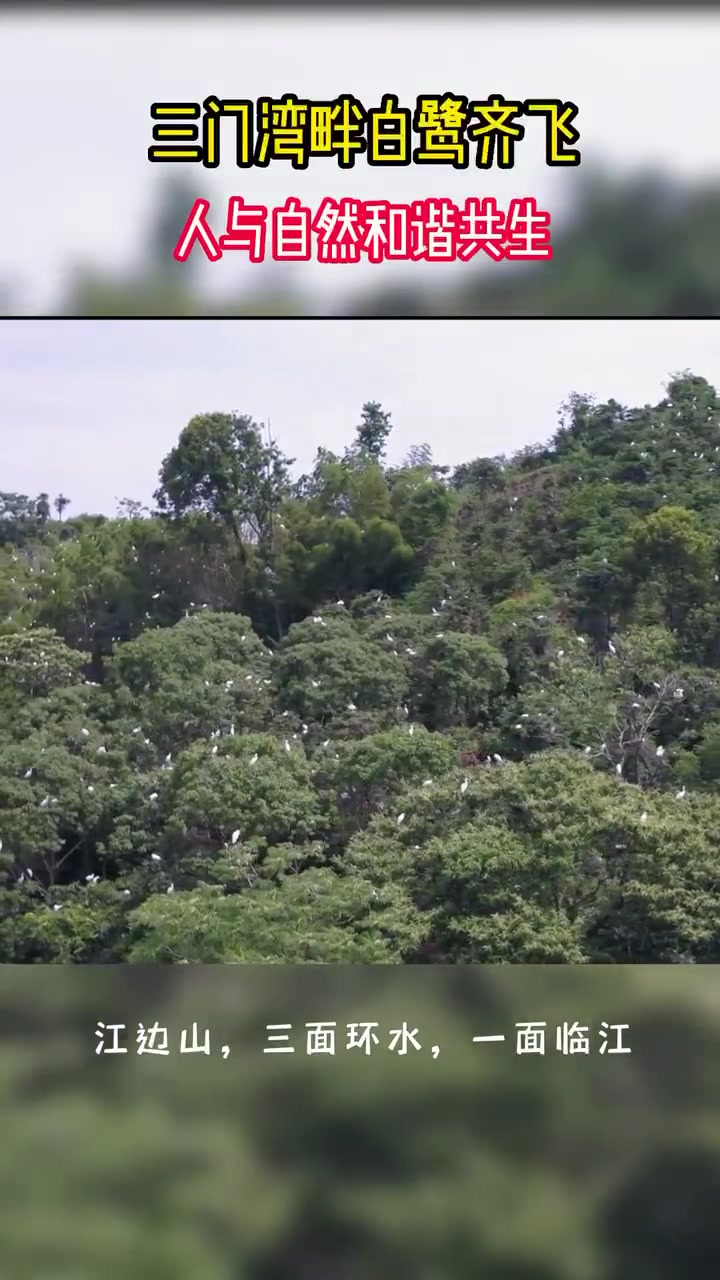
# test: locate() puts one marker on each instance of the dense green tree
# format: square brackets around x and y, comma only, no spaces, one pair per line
[670,551]
[372,434]
[222,466]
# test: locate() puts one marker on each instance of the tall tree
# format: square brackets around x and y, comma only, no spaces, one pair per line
[372,434]
[221,466]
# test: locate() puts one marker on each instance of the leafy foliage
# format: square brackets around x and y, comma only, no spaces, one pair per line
[380,715]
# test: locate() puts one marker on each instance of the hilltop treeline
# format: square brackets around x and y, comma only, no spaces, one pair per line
[375,714]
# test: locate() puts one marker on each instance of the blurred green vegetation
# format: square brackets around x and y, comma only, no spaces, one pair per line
[293,1167]
[640,245]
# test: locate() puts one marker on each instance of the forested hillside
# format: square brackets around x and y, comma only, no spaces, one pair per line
[377,714]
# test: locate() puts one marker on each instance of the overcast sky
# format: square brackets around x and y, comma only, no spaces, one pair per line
[78,184]
[90,407]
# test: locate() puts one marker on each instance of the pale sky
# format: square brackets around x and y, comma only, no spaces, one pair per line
[78,184]
[90,407]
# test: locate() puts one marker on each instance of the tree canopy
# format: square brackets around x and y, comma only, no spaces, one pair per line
[375,714]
